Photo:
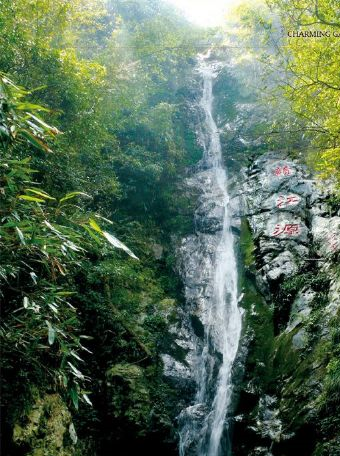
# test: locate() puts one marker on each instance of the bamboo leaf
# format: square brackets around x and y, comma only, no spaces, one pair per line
[34,140]
[51,227]
[95,226]
[71,195]
[87,399]
[24,106]
[21,235]
[40,193]
[44,124]
[74,396]
[103,218]
[74,354]
[34,277]
[66,293]
[92,234]
[26,302]
[118,244]
[75,371]
[20,162]
[31,198]
[51,333]
[54,308]
[73,434]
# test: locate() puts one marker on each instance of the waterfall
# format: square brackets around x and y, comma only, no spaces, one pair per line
[204,425]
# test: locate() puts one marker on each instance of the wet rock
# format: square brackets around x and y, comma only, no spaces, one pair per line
[279,225]
[268,420]
[261,451]
[288,217]
[209,217]
[175,370]
[333,305]
[285,225]
[301,304]
[191,421]
[275,200]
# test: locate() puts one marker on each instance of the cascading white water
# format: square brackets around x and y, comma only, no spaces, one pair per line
[223,317]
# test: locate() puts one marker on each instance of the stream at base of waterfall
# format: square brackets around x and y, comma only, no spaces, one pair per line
[204,425]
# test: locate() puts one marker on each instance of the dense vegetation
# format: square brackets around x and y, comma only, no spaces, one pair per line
[294,76]
[84,317]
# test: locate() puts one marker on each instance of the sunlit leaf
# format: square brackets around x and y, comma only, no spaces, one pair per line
[31,198]
[118,244]
[75,371]
[74,354]
[95,226]
[73,433]
[51,333]
[25,106]
[54,308]
[34,277]
[92,234]
[66,293]
[40,193]
[87,399]
[71,195]
[51,227]
[42,123]
[36,142]
[21,235]
[103,218]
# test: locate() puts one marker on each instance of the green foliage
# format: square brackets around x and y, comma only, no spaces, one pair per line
[332,384]
[44,240]
[77,301]
[313,77]
[298,75]
[330,396]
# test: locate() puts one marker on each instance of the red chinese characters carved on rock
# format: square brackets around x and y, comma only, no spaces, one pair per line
[289,200]
[291,229]
[282,171]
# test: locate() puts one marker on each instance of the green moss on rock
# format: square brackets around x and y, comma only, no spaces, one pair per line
[45,430]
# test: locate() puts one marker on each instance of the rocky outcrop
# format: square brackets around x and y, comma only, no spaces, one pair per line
[276,200]
[291,295]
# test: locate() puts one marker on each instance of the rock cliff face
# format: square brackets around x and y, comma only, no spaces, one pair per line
[289,244]
[288,240]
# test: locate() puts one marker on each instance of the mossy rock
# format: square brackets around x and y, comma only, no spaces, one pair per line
[46,428]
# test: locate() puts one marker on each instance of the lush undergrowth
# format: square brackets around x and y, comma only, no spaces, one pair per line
[84,315]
